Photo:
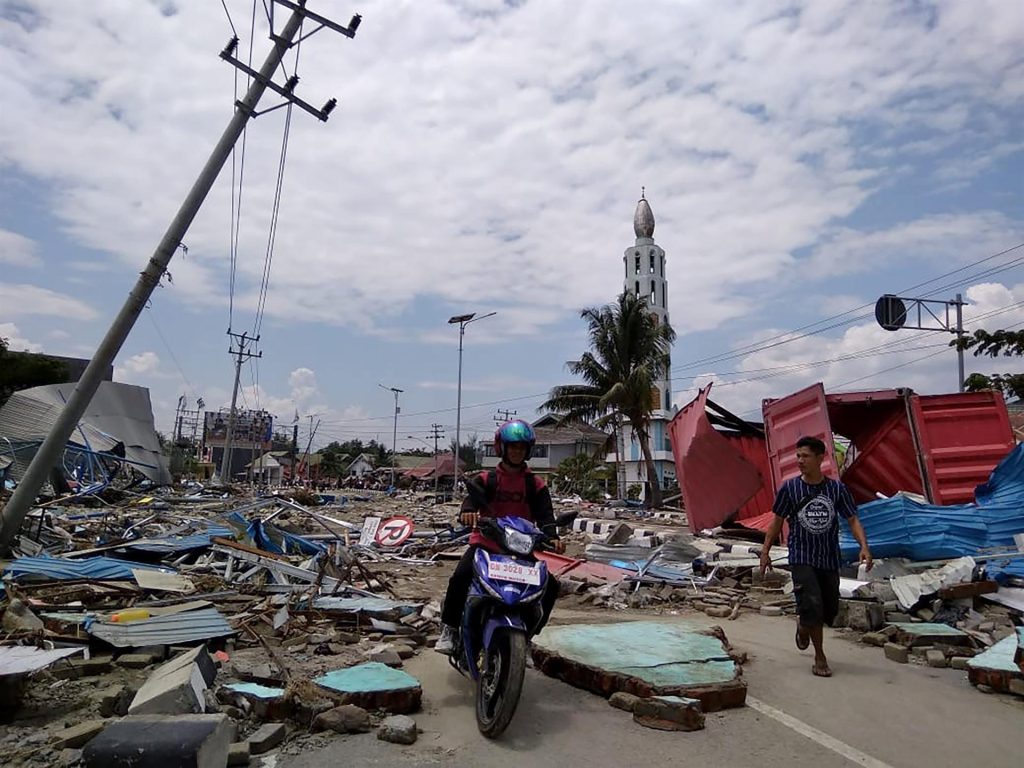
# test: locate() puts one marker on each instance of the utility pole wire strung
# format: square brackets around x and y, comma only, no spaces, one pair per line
[64,425]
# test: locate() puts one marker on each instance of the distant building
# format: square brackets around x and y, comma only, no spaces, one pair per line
[252,437]
[361,465]
[554,444]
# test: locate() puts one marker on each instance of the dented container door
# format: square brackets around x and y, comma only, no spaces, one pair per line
[715,478]
[786,420]
[961,437]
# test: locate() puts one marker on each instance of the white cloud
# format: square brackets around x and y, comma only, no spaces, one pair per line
[22,300]
[747,123]
[17,250]
[15,341]
[136,367]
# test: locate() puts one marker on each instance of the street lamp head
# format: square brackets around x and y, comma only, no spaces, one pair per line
[461,318]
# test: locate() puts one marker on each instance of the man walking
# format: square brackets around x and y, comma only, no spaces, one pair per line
[812,505]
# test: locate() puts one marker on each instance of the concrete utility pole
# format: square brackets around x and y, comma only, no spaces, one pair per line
[394,433]
[46,457]
[240,354]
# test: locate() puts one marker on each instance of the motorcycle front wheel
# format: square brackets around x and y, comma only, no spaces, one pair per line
[500,683]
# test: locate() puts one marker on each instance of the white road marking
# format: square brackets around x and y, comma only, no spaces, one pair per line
[812,733]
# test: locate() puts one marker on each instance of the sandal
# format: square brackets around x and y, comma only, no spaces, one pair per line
[802,644]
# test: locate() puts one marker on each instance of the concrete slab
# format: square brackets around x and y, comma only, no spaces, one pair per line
[669,713]
[996,667]
[925,633]
[374,686]
[157,741]
[645,659]
[175,691]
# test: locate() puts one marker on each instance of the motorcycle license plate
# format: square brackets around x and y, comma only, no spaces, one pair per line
[503,570]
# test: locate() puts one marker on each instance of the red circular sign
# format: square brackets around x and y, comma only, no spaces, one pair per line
[394,531]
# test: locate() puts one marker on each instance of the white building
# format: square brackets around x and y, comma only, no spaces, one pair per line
[645,276]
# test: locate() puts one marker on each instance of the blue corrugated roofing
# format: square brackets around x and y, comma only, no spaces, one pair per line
[901,527]
[92,568]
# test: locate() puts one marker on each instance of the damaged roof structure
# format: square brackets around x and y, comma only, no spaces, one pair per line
[117,428]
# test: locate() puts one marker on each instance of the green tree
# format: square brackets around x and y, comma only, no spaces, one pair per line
[629,353]
[994,344]
[468,448]
[581,474]
[20,370]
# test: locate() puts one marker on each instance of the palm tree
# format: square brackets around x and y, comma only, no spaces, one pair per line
[629,353]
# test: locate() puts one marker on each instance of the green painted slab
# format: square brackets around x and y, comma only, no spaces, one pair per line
[998,658]
[662,655]
[372,677]
[257,690]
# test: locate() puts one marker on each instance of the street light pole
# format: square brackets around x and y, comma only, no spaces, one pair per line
[394,433]
[463,321]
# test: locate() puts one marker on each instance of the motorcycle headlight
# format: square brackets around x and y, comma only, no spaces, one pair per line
[517,542]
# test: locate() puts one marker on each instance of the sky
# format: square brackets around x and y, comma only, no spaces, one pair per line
[801,159]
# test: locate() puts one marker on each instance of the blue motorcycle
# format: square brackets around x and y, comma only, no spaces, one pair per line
[503,611]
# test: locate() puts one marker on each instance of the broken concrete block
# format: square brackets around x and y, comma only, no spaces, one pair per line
[238,753]
[771,610]
[386,656]
[897,653]
[936,659]
[398,729]
[374,686]
[669,713]
[79,735]
[643,658]
[199,657]
[718,611]
[959,662]
[175,688]
[266,738]
[405,652]
[157,741]
[624,701]
[877,639]
[619,534]
[18,618]
[136,660]
[863,615]
[115,700]
[347,718]
[889,631]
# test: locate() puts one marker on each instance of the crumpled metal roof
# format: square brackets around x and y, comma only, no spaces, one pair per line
[20,660]
[181,627]
[902,527]
[47,568]
[117,413]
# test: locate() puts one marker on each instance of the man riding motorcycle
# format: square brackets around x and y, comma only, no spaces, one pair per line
[510,490]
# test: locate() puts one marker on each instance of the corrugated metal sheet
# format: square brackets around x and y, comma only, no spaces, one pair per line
[20,660]
[117,413]
[715,478]
[901,527]
[962,437]
[45,568]
[186,627]
[887,461]
[802,414]
[755,450]
[373,606]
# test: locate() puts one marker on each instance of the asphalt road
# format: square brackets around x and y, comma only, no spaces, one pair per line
[872,713]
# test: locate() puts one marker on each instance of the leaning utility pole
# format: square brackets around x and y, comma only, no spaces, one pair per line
[503,415]
[240,354]
[46,457]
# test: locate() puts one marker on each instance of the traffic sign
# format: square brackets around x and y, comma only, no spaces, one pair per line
[394,531]
[369,534]
[891,312]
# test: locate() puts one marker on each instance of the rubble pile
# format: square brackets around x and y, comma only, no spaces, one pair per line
[255,614]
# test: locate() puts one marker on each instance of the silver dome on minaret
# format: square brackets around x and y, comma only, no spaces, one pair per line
[643,219]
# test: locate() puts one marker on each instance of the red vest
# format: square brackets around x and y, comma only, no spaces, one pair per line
[509,499]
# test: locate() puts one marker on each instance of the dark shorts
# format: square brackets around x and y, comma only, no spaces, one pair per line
[817,594]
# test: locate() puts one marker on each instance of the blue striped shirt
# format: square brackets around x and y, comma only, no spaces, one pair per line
[814,526]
